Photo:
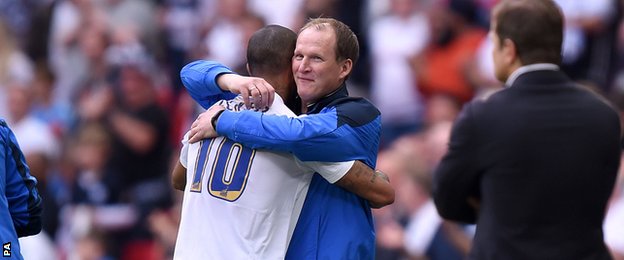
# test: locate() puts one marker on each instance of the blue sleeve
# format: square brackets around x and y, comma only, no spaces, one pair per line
[326,136]
[21,192]
[200,80]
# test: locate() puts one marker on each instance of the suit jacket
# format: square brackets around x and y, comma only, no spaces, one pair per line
[541,157]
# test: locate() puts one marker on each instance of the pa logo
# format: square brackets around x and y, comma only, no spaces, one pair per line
[6,249]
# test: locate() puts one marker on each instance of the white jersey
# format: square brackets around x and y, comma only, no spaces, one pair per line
[241,203]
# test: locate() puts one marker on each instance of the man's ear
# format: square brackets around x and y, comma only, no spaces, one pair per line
[509,51]
[248,69]
[345,68]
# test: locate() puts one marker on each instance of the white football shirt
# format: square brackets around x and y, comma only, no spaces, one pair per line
[241,203]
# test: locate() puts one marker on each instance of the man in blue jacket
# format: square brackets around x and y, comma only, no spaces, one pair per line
[20,203]
[334,223]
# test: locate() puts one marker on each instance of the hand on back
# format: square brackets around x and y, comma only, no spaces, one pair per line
[202,127]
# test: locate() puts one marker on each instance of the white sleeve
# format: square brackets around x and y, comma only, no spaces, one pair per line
[184,150]
[331,171]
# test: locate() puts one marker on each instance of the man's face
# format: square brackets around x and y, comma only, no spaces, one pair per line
[316,70]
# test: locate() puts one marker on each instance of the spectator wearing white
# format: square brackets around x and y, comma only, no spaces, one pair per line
[394,40]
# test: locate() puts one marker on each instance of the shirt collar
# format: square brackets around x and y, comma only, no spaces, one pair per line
[324,101]
[528,68]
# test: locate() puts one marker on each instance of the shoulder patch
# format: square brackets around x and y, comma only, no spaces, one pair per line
[354,111]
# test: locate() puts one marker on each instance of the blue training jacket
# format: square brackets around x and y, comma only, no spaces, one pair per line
[334,223]
[20,203]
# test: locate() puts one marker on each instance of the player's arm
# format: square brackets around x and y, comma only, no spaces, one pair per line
[357,178]
[307,137]
[208,82]
[178,177]
[371,185]
[21,192]
[199,79]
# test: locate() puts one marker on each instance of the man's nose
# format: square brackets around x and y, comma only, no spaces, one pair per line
[304,66]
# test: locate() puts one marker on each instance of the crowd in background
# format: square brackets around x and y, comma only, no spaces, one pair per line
[92,91]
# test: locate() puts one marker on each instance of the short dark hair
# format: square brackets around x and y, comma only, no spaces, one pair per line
[270,50]
[347,46]
[534,26]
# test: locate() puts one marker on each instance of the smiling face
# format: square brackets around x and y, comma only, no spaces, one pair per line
[315,66]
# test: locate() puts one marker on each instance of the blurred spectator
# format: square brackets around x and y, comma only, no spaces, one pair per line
[411,228]
[34,136]
[441,108]
[67,16]
[164,224]
[138,16]
[14,66]
[55,114]
[93,228]
[285,15]
[91,246]
[226,40]
[314,9]
[456,38]
[39,35]
[17,15]
[95,184]
[390,221]
[140,130]
[590,37]
[94,45]
[181,29]
[394,40]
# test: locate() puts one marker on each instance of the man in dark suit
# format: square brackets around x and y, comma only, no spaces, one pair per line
[534,164]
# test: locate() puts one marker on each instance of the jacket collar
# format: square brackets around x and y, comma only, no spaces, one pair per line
[541,77]
[326,100]
[529,68]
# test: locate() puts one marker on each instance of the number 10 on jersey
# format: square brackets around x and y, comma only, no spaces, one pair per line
[229,170]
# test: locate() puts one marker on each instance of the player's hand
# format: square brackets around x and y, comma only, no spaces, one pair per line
[202,127]
[256,92]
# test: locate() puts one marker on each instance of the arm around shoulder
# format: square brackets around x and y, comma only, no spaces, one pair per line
[371,185]
[358,178]
[200,80]
[307,137]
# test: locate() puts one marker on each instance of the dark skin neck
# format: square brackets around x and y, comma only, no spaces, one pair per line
[285,87]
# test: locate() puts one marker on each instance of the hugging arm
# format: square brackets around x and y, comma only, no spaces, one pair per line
[208,82]
[308,137]
[373,186]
